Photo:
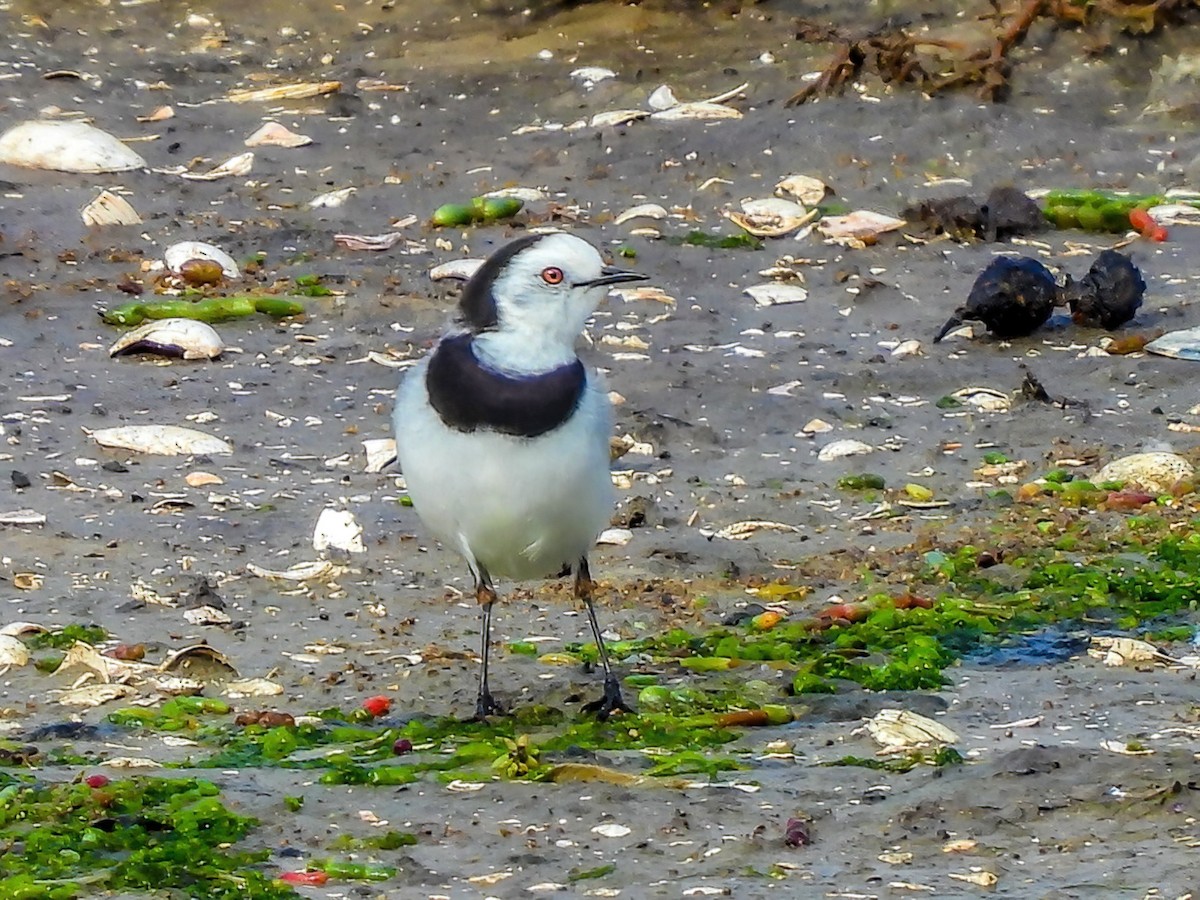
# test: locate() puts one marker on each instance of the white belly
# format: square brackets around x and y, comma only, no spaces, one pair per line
[520,507]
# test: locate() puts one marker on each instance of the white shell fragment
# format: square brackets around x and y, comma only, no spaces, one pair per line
[1183,344]
[235,165]
[642,211]
[181,338]
[843,448]
[66,147]
[319,570]
[612,830]
[1121,651]
[858,226]
[300,91]
[380,452]
[770,217]
[702,110]
[775,294]
[163,440]
[524,194]
[900,730]
[617,117]
[589,76]
[252,687]
[109,209]
[1152,471]
[808,190]
[13,652]
[23,517]
[741,531]
[272,134]
[984,398]
[95,694]
[458,269]
[332,199]
[337,528]
[615,537]
[662,97]
[178,254]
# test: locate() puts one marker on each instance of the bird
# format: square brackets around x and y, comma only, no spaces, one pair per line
[1012,297]
[1109,295]
[502,432]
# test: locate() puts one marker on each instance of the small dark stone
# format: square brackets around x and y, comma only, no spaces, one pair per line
[20,479]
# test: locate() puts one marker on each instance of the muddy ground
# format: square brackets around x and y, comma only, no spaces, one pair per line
[1053,813]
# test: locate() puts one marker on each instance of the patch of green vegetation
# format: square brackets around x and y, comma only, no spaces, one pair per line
[389,840]
[944,756]
[587,874]
[310,286]
[62,638]
[139,835]
[698,238]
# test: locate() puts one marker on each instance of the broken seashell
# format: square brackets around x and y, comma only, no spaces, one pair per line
[524,194]
[202,479]
[612,830]
[201,662]
[701,109]
[158,114]
[66,147]
[109,209]
[843,448]
[589,76]
[1183,344]
[177,254]
[332,199]
[775,294]
[816,426]
[740,531]
[23,517]
[338,529]
[319,570]
[458,269]
[28,581]
[181,338]
[643,294]
[1156,472]
[617,117]
[898,730]
[163,440]
[16,629]
[381,452]
[642,211]
[770,217]
[983,398]
[662,97]
[272,134]
[252,687]
[616,537]
[94,694]
[860,225]
[235,165]
[808,190]
[1117,651]
[13,652]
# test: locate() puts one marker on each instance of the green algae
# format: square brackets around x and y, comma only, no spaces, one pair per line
[138,835]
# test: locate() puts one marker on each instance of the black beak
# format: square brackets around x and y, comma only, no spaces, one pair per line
[613,275]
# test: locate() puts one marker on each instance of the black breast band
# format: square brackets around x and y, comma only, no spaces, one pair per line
[469,396]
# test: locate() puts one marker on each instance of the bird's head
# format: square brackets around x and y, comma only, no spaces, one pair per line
[539,290]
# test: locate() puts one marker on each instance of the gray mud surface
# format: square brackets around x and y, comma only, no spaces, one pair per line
[1053,813]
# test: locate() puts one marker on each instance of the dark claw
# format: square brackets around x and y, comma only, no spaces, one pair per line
[611,702]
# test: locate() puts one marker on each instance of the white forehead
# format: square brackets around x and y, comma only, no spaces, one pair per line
[566,251]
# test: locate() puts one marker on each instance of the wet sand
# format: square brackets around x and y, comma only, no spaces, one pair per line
[1054,815]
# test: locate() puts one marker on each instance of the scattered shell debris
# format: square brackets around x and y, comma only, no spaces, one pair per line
[842,448]
[775,294]
[273,134]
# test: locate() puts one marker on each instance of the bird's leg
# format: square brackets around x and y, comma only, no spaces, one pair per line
[612,701]
[486,704]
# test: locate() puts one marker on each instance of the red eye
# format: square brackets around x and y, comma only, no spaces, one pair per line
[552,275]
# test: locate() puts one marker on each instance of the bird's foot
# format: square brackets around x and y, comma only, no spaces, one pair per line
[487,705]
[611,702]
